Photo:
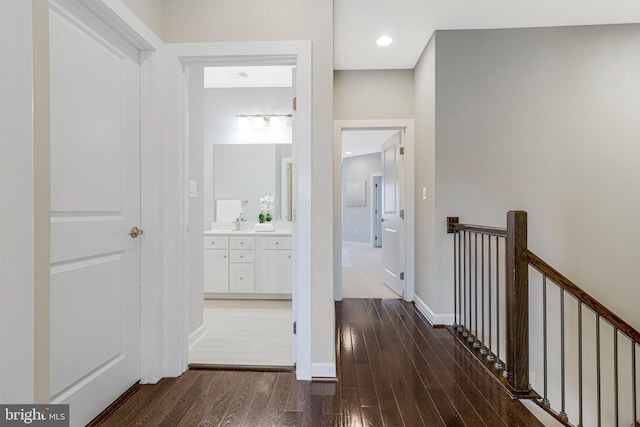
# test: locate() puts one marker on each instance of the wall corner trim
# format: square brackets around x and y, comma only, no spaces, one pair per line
[433,318]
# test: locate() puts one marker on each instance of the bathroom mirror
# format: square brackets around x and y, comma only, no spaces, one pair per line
[247,171]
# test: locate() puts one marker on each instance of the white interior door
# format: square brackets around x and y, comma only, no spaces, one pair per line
[391,203]
[95,192]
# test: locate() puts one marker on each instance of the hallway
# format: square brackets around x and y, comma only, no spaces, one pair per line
[394,370]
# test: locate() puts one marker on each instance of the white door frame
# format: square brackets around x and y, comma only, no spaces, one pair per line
[270,53]
[163,151]
[407,125]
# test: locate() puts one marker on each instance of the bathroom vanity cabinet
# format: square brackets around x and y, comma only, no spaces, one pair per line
[247,264]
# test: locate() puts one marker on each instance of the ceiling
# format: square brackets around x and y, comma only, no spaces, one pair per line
[361,142]
[359,23]
[248,76]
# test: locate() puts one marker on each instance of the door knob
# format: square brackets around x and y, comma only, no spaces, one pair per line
[135,232]
[381,219]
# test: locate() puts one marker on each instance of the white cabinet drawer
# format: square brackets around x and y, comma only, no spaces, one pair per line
[241,256]
[241,278]
[236,242]
[216,242]
[279,242]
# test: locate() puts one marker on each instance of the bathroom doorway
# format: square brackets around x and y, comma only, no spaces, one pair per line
[241,135]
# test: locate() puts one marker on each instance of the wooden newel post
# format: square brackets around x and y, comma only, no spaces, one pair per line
[517,295]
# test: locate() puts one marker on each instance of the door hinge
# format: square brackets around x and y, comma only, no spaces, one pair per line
[402,276]
[295,327]
[402,213]
[295,103]
[402,150]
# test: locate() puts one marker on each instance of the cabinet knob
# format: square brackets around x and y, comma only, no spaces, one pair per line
[241,256]
[289,256]
[242,243]
[225,256]
[277,243]
[241,278]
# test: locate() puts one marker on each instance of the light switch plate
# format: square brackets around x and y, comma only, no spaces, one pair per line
[193,189]
[424,193]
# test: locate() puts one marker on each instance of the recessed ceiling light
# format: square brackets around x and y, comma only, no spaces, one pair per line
[384,41]
[348,152]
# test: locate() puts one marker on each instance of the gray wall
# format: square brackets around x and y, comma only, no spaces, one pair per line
[356,220]
[373,94]
[544,120]
[425,141]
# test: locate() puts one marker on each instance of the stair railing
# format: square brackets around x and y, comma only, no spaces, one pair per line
[538,333]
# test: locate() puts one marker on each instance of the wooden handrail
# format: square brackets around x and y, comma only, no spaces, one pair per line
[489,231]
[566,284]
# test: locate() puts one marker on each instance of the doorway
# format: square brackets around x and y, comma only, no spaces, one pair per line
[346,238]
[362,220]
[240,133]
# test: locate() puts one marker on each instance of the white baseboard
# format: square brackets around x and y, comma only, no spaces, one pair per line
[433,318]
[197,335]
[323,370]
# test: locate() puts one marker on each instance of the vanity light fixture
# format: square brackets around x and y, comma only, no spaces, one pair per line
[384,41]
[243,122]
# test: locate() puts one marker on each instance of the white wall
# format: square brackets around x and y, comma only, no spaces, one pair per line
[206,21]
[151,12]
[196,204]
[426,287]
[544,120]
[16,204]
[373,94]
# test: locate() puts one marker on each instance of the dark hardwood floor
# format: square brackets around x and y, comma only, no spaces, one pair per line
[393,370]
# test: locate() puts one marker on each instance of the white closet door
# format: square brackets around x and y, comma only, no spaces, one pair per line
[95,193]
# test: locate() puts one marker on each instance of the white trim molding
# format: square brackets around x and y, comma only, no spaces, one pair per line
[433,318]
[197,335]
[271,53]
[323,370]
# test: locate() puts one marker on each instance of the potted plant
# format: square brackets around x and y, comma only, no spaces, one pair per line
[266,206]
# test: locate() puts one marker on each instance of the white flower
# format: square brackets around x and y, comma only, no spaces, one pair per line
[267,203]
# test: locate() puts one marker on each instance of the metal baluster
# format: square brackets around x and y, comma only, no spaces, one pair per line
[580,363]
[498,364]
[598,369]
[455,285]
[490,357]
[545,400]
[476,343]
[483,350]
[633,369]
[470,333]
[563,414]
[460,284]
[615,373]
[465,329]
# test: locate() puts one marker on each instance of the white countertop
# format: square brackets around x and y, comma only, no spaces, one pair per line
[246,233]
